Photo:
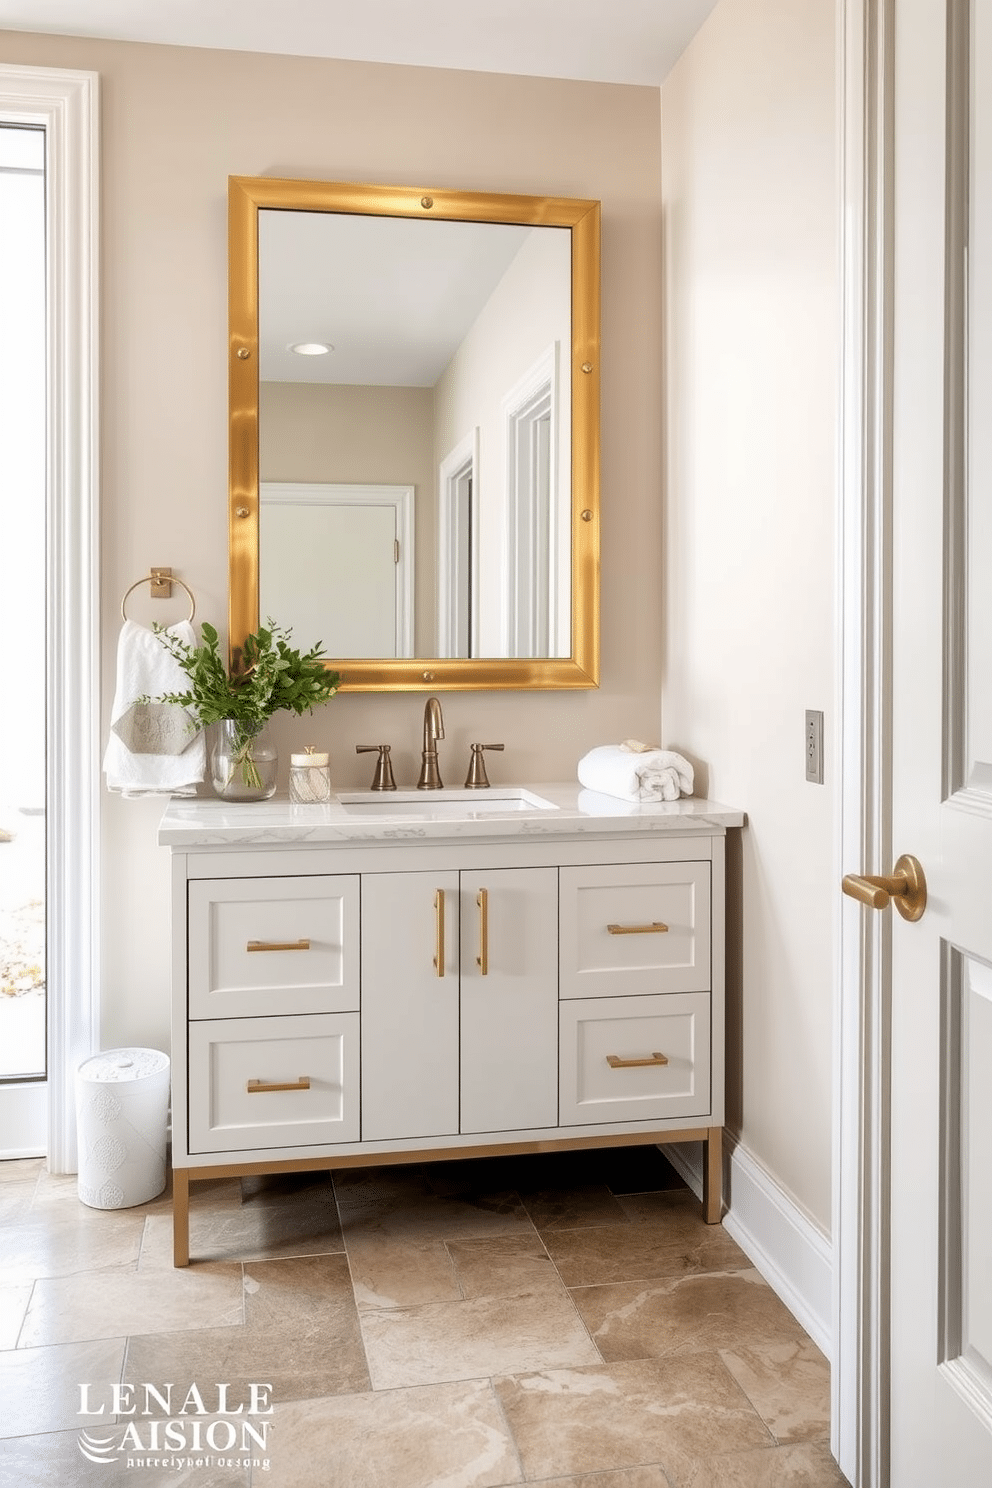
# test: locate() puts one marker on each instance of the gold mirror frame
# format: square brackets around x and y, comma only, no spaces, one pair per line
[246,197]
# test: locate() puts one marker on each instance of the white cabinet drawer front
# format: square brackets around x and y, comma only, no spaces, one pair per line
[639,928]
[268,946]
[635,1058]
[237,1067]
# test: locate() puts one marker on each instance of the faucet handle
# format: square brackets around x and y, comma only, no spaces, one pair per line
[477,779]
[382,780]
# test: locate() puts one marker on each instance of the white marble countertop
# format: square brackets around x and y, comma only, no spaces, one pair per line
[565,810]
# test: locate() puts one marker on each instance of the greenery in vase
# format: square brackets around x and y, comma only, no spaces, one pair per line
[269,676]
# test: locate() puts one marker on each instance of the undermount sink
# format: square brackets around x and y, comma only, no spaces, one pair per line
[452,803]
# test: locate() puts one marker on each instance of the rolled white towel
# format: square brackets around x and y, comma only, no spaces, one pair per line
[636,774]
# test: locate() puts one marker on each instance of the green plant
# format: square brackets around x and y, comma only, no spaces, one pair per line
[268,677]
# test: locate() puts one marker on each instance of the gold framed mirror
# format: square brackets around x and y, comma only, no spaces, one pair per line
[414,431]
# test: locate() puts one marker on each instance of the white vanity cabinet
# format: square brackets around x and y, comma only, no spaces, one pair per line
[455,966]
[351,992]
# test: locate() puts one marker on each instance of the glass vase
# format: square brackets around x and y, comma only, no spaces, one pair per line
[243,762]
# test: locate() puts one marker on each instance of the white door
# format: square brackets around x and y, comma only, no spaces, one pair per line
[941,1010]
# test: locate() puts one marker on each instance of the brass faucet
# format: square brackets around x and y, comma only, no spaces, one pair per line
[430,778]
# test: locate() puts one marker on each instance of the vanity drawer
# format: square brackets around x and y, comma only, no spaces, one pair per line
[603,1040]
[634,928]
[235,1067]
[261,947]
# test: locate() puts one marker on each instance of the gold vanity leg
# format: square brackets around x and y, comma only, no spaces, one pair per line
[713,1176]
[180,1216]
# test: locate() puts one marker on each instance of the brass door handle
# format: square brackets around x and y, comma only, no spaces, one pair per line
[259,1087]
[906,884]
[482,959]
[278,945]
[615,1061]
[439,931]
[655,928]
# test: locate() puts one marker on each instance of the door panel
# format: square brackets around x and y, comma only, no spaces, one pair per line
[509,958]
[941,1015]
[409,1010]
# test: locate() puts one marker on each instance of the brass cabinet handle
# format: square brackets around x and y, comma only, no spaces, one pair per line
[615,1062]
[655,928]
[255,1087]
[278,945]
[482,959]
[907,885]
[439,928]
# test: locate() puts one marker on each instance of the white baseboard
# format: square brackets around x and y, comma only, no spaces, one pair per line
[792,1253]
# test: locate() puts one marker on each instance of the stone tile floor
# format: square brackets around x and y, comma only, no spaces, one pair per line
[564,1319]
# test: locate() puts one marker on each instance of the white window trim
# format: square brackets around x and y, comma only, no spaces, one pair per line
[532,569]
[66,104]
[460,462]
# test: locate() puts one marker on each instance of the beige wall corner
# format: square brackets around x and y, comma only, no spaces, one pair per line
[752,315]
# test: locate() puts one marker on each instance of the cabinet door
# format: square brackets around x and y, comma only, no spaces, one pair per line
[509,999]
[409,1005]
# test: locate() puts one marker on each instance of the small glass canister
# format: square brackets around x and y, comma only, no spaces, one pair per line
[309,778]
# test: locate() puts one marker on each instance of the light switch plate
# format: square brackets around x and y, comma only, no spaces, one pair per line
[814,745]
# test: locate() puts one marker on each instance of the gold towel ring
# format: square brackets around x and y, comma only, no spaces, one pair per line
[152,579]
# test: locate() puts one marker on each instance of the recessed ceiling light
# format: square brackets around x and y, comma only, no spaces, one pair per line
[311,348]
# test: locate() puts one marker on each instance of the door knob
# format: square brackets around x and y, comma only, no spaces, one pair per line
[906,884]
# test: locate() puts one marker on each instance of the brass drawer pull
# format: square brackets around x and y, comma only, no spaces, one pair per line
[482,959]
[254,1087]
[655,928]
[615,1062]
[439,929]
[278,945]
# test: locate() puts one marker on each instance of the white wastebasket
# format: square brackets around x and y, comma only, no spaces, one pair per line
[122,1105]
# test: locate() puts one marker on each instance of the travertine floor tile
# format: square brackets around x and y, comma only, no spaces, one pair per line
[464,1340]
[246,1233]
[808,1465]
[402,1206]
[53,1461]
[39,1387]
[72,1308]
[787,1383]
[675,1246]
[622,1477]
[300,1335]
[451,1434]
[636,1320]
[13,1307]
[504,1265]
[568,1209]
[21,1169]
[72,1243]
[388,1272]
[652,1411]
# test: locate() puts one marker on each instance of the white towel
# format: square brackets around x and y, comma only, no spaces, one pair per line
[636,774]
[154,749]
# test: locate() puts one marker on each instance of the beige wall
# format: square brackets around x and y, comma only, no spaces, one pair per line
[175,124]
[751,312]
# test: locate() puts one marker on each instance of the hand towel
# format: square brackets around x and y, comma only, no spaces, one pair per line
[636,773]
[154,749]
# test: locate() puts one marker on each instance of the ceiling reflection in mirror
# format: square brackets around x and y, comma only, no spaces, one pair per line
[415,489]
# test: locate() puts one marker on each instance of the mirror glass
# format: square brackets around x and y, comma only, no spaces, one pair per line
[414,431]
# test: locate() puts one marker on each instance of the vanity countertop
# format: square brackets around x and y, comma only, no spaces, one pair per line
[567,811]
